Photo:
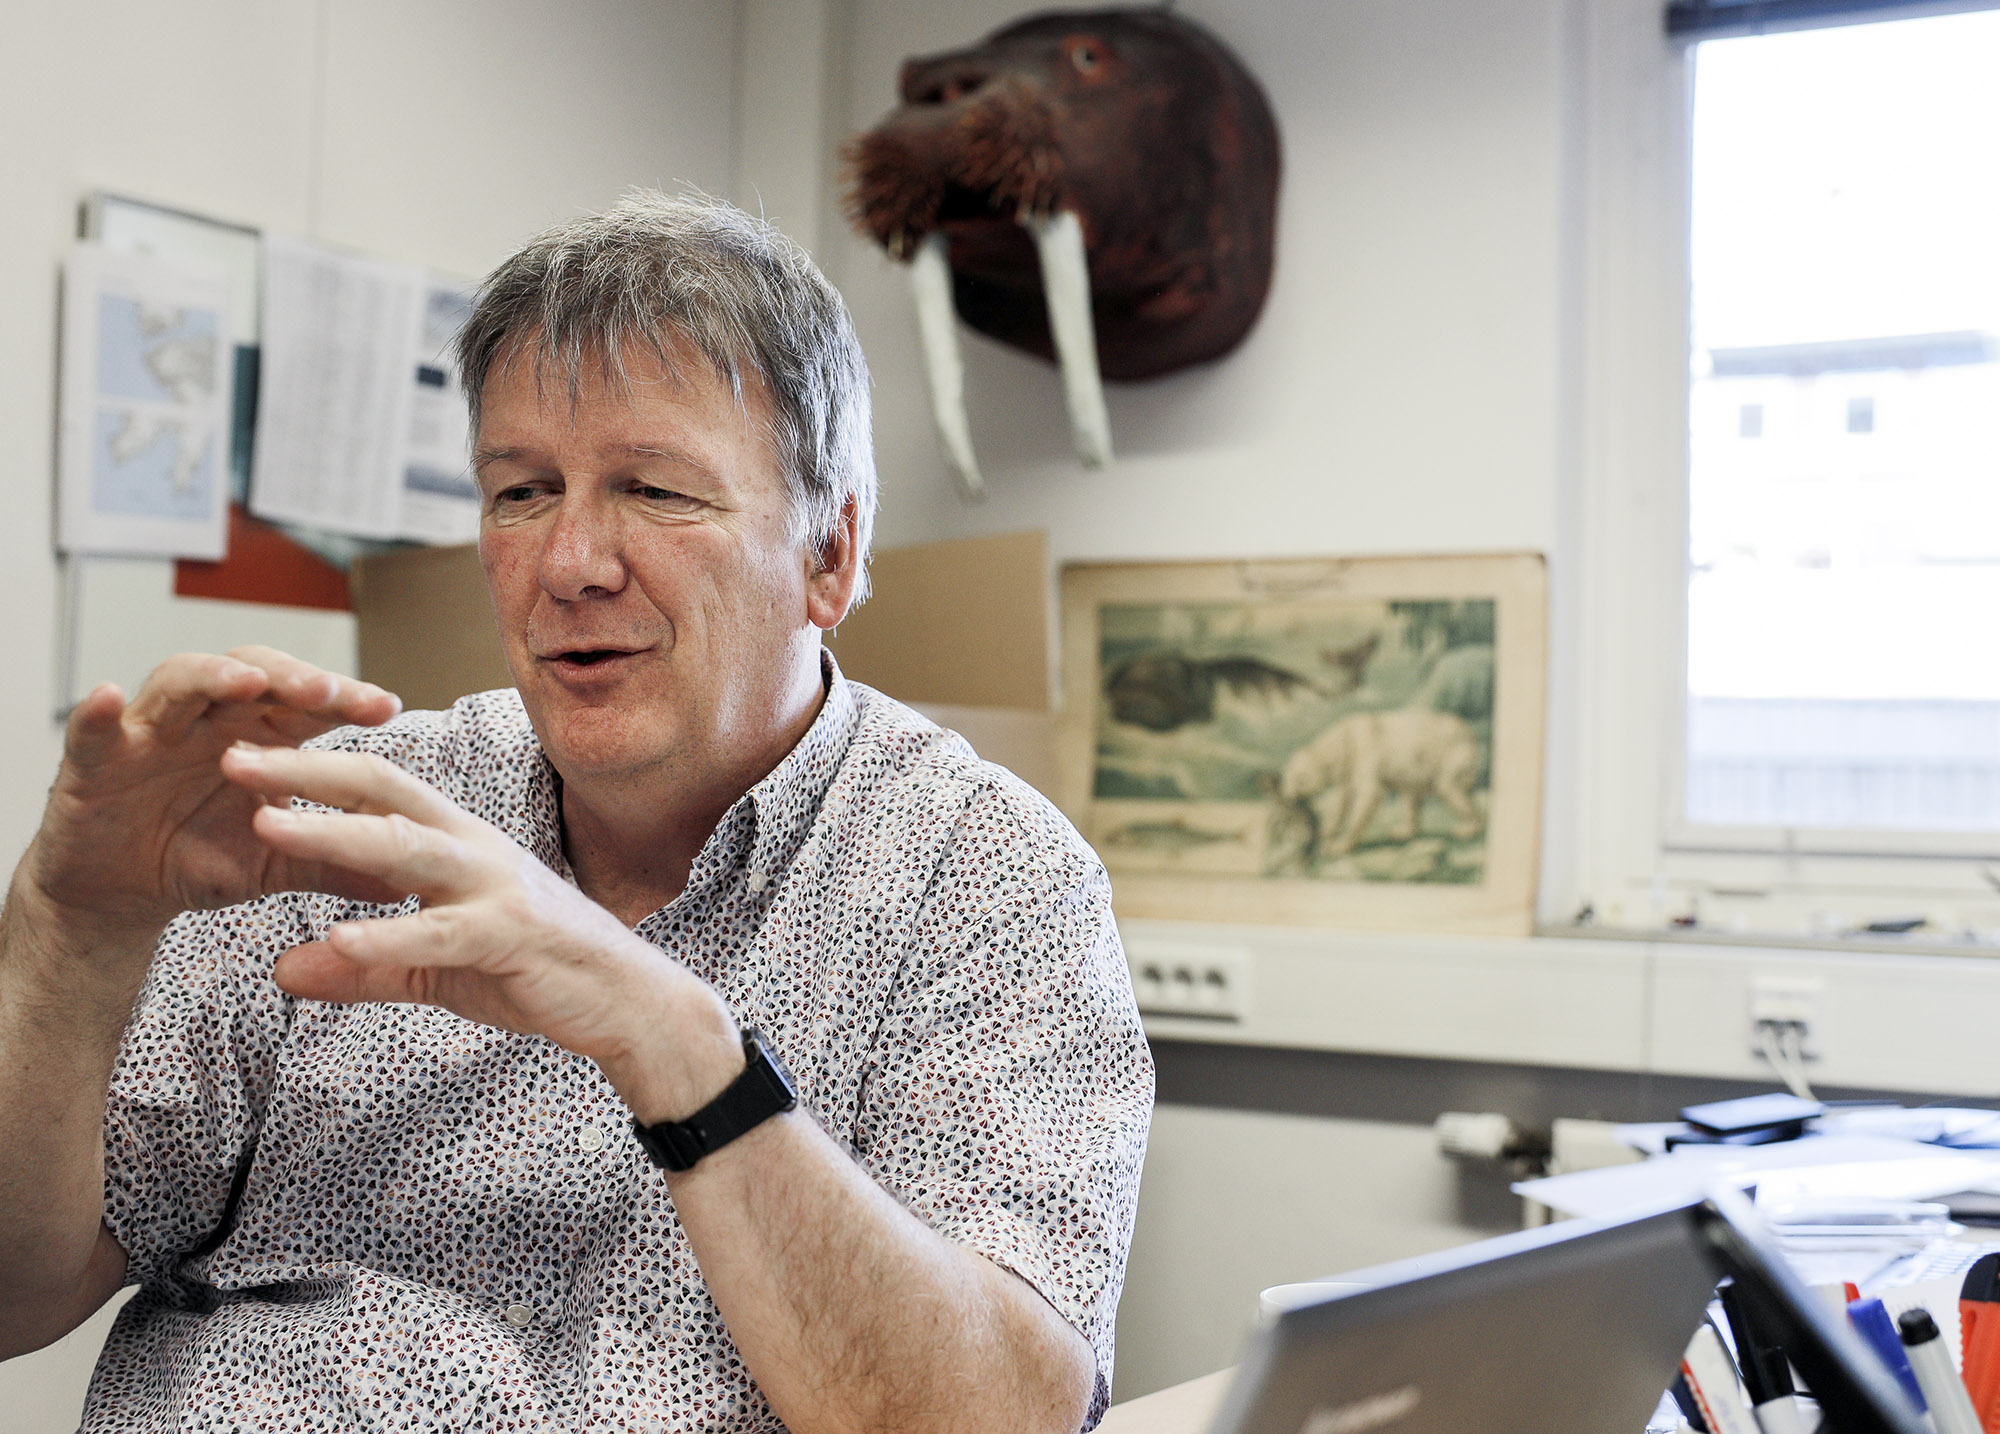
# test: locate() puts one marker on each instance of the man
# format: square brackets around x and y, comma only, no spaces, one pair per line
[491,1132]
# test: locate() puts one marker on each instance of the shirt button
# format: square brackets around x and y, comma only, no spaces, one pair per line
[590,1140]
[519,1316]
[756,881]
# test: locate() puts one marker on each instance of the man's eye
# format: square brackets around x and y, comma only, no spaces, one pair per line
[519,493]
[661,495]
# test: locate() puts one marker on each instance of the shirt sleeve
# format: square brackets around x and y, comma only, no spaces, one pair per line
[192,1077]
[1012,1086]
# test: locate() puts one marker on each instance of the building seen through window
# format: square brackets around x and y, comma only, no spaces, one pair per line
[1844,425]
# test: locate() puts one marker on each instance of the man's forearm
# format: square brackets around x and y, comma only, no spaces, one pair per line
[853,1315]
[61,1018]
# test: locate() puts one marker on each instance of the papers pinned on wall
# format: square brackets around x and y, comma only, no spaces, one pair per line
[146,386]
[135,226]
[360,425]
[440,498]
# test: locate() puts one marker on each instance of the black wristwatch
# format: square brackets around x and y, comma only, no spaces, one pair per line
[763,1090]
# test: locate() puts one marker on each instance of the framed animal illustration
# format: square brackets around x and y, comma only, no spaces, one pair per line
[1336,741]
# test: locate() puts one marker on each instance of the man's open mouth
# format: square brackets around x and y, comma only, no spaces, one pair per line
[590,656]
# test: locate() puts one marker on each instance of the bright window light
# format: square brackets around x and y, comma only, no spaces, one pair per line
[1844,424]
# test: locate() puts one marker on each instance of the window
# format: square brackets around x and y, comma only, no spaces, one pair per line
[1843,591]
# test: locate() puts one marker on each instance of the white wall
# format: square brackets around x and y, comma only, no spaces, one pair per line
[438,133]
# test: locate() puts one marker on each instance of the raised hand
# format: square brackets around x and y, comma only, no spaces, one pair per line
[141,823]
[498,937]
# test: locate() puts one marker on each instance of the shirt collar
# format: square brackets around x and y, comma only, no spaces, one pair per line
[764,828]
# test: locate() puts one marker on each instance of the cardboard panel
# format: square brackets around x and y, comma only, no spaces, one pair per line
[963,623]
[425,625]
[1022,742]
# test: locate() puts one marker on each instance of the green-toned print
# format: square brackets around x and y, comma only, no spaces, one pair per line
[1339,741]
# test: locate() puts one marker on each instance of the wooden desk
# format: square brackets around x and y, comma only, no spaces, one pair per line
[1184,1409]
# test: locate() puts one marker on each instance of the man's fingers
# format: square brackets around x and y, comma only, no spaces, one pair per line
[424,941]
[390,958]
[352,781]
[292,874]
[269,723]
[405,855]
[284,726]
[181,689]
[256,682]
[318,972]
[96,726]
[327,695]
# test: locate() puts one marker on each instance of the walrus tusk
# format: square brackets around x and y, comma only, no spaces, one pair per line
[1066,285]
[930,284]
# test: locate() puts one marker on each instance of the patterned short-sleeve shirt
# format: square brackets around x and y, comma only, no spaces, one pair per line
[385,1217]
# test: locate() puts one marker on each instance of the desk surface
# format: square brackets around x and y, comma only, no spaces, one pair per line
[1184,1409]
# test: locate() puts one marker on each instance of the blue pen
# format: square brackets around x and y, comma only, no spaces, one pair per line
[1689,1406]
[1871,1321]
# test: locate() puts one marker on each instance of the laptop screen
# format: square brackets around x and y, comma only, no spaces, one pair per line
[1573,1328]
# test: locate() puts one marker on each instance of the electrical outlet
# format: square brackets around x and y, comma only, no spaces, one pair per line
[1785,998]
[1210,983]
[1785,1009]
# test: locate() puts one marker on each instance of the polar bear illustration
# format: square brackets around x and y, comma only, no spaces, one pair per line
[1339,778]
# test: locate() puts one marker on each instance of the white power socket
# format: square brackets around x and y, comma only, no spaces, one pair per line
[1210,983]
[1789,1006]
[1785,998]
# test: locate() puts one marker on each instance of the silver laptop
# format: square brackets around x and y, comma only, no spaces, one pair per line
[1573,1328]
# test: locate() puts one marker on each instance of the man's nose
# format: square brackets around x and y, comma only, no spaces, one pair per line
[584,553]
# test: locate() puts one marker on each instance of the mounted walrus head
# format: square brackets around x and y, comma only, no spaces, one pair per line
[1095,186]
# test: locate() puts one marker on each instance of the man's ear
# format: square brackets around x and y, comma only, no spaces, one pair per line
[836,571]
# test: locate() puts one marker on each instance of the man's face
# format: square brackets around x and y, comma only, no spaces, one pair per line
[658,620]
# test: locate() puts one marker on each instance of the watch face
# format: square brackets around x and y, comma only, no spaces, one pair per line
[756,1050]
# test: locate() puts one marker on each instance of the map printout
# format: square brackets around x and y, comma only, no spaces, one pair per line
[145,407]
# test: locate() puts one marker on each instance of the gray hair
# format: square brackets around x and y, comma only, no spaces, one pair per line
[658,270]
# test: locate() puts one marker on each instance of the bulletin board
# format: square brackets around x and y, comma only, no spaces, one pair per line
[121,616]
[316,375]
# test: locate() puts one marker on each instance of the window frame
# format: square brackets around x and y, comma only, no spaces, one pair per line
[1619,843]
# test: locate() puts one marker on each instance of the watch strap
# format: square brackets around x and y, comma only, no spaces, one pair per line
[761,1090]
